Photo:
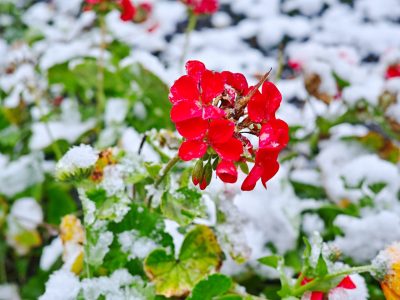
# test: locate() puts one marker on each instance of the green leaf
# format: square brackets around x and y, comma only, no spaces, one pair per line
[271,261]
[199,256]
[150,97]
[146,222]
[321,269]
[59,202]
[213,285]
[183,206]
[308,191]
[307,251]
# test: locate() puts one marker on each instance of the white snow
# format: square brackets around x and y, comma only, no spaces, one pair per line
[62,285]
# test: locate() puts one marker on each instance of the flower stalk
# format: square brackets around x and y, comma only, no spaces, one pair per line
[190,27]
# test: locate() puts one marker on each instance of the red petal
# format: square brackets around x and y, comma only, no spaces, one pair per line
[128,10]
[269,171]
[212,85]
[230,150]
[317,296]
[237,81]
[184,89]
[347,283]
[227,172]
[185,110]
[192,129]
[195,69]
[274,96]
[257,108]
[251,180]
[220,131]
[192,149]
[262,107]
[212,112]
[274,135]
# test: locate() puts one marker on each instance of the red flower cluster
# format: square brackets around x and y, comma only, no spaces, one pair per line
[129,12]
[202,7]
[393,71]
[346,283]
[214,111]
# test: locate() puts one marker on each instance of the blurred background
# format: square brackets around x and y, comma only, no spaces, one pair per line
[336,62]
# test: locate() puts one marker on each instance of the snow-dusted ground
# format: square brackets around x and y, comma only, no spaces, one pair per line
[357,42]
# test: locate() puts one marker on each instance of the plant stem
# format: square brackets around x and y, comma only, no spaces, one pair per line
[100,71]
[190,27]
[167,168]
[308,287]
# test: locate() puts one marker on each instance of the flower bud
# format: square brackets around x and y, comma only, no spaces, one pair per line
[76,164]
[197,173]
[227,172]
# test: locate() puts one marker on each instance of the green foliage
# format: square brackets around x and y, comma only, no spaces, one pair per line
[212,288]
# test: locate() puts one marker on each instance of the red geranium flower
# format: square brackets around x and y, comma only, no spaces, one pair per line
[213,110]
[346,283]
[201,7]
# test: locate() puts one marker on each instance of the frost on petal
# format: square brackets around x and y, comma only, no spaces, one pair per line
[220,131]
[185,110]
[212,85]
[227,171]
[232,149]
[195,69]
[195,128]
[192,149]
[184,89]
[212,112]
[274,135]
[62,285]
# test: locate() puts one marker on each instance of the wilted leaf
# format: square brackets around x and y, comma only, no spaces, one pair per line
[199,256]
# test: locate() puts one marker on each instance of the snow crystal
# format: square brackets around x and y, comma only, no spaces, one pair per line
[27,212]
[99,250]
[363,238]
[44,134]
[114,287]
[16,176]
[137,246]
[113,182]
[9,292]
[312,223]
[359,293]
[116,111]
[393,112]
[62,285]
[50,254]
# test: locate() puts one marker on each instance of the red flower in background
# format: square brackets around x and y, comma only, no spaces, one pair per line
[202,7]
[346,283]
[129,12]
[393,71]
[213,111]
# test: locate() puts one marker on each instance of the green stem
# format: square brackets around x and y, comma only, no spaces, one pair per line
[167,168]
[100,71]
[190,27]
[308,287]
[3,256]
